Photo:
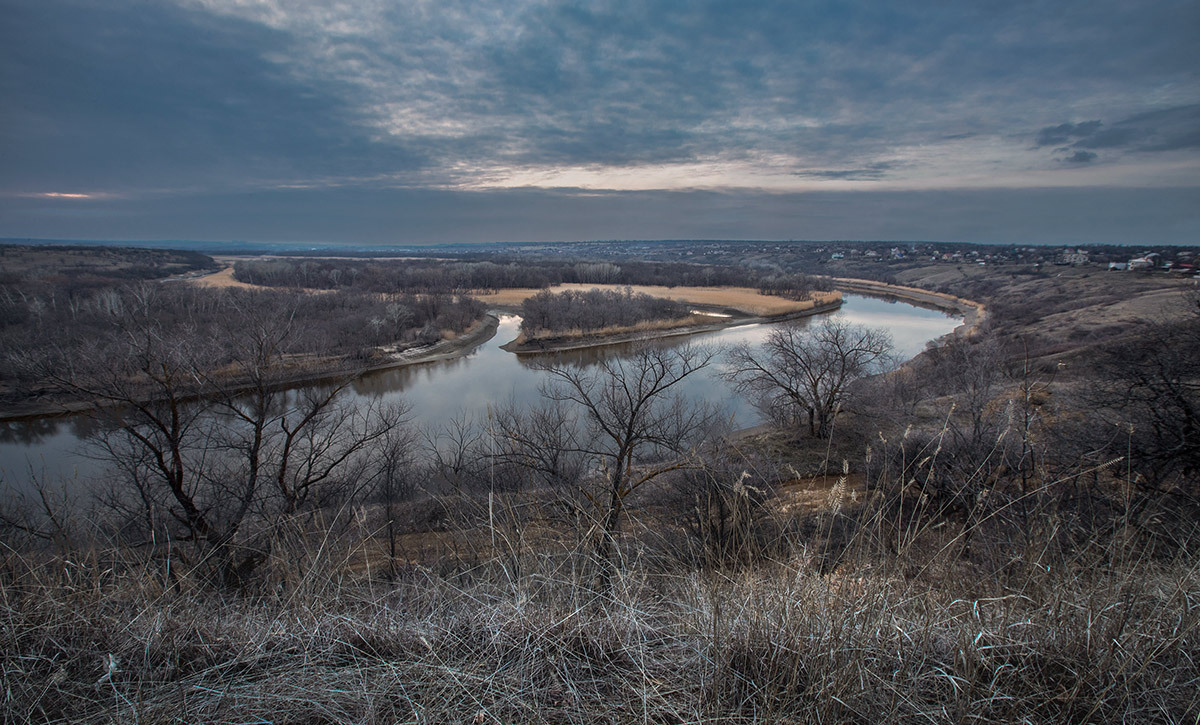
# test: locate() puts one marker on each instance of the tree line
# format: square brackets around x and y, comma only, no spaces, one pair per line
[40,335]
[391,276]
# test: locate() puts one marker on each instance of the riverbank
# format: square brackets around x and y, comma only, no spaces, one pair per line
[522,346]
[302,372]
[475,335]
[441,393]
[974,313]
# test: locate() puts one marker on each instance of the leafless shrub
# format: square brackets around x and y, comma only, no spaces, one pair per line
[804,372]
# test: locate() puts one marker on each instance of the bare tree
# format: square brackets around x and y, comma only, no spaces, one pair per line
[971,370]
[393,481]
[204,435]
[806,370]
[143,382]
[457,459]
[543,441]
[627,417]
[1149,387]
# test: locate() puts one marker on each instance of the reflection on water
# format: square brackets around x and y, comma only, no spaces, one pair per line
[911,327]
[487,377]
[34,430]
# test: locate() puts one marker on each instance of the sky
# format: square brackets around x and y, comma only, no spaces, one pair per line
[426,121]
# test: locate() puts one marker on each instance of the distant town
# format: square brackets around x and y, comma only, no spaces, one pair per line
[876,258]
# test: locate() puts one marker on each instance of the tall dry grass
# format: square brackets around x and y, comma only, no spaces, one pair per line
[516,635]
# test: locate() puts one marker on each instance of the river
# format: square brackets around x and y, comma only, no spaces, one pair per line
[53,450]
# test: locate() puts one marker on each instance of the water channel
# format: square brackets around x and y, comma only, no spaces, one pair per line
[53,450]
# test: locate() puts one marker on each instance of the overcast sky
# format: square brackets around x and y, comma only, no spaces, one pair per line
[385,121]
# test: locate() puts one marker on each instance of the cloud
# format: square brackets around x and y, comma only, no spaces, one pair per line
[870,172]
[1116,137]
[206,98]
[1169,129]
[1064,132]
[148,96]
[1081,157]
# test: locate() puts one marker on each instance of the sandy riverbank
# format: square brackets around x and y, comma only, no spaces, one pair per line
[974,313]
[521,346]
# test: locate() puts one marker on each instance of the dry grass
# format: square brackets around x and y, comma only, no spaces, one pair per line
[860,616]
[223,278]
[743,299]
[779,644]
[514,633]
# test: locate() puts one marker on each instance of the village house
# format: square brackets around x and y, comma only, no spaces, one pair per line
[1074,257]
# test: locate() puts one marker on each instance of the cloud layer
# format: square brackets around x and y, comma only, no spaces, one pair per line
[137,104]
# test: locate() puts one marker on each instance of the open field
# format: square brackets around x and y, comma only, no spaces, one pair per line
[743,299]
[222,278]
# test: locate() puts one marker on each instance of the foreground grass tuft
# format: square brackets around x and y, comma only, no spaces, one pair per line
[777,644]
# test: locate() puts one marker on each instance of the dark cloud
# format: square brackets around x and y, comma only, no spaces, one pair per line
[144,95]
[871,172]
[1170,129]
[1081,157]
[1064,132]
[1116,137]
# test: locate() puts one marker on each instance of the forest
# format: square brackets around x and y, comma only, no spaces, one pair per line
[54,327]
